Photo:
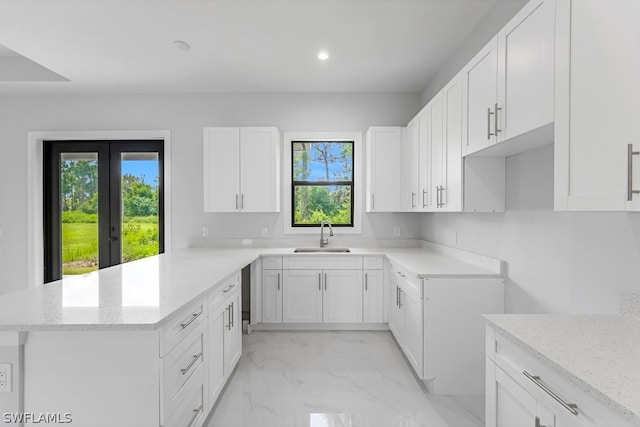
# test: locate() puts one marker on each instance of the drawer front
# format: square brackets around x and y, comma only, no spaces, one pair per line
[373,262]
[272,263]
[218,296]
[182,325]
[408,283]
[322,262]
[191,411]
[180,365]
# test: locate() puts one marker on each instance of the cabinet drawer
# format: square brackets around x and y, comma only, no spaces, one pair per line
[322,262]
[181,325]
[191,411]
[409,283]
[373,262]
[222,292]
[179,366]
[272,263]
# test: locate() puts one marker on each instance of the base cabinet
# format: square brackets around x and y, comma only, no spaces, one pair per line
[373,296]
[272,296]
[405,320]
[302,296]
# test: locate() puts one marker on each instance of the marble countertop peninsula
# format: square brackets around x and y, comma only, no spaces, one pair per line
[141,295]
[598,353]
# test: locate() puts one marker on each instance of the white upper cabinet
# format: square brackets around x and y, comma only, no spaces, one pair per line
[424,159]
[597,106]
[241,170]
[383,173]
[438,150]
[480,82]
[411,165]
[509,85]
[451,183]
[526,70]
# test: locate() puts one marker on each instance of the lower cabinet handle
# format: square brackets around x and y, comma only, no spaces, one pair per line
[229,288]
[373,201]
[325,281]
[190,365]
[278,281]
[571,407]
[229,317]
[194,316]
[366,280]
[424,197]
[320,281]
[399,298]
[236,202]
[196,412]
[242,201]
[630,154]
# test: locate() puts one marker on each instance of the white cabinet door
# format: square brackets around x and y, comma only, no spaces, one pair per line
[410,166]
[302,296]
[413,330]
[272,296]
[342,299]
[480,83]
[598,99]
[451,191]
[260,170]
[396,313]
[526,71]
[424,159]
[438,151]
[514,406]
[373,299]
[383,159]
[221,169]
[217,323]
[233,333]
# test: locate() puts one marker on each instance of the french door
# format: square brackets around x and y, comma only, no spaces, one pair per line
[103,204]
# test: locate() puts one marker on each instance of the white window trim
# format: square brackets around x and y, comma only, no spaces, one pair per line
[35,216]
[358,178]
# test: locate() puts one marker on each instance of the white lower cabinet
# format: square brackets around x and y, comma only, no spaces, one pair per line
[405,320]
[521,390]
[272,296]
[342,297]
[373,296]
[302,296]
[225,335]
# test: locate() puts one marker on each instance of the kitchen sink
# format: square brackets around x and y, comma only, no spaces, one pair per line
[333,250]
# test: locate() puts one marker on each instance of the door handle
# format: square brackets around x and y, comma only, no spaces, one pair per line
[424,196]
[413,200]
[278,281]
[231,315]
[630,154]
[489,114]
[237,206]
[320,282]
[495,119]
[366,280]
[325,281]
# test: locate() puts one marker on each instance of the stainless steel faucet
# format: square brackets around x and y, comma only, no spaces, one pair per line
[325,242]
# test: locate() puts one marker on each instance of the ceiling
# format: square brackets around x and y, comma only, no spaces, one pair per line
[126,46]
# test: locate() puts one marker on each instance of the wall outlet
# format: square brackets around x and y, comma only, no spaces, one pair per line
[265,232]
[5,378]
[205,231]
[396,231]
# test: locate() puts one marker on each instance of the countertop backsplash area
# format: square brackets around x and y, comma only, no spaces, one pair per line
[306,241]
[630,304]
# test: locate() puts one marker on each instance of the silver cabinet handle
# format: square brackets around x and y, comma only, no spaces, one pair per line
[442,199]
[424,197]
[194,316]
[190,365]
[242,201]
[237,206]
[489,114]
[366,280]
[229,317]
[495,118]
[630,154]
[320,281]
[399,298]
[278,281]
[413,200]
[571,407]
[537,424]
[373,201]
[229,288]
[325,281]
[196,412]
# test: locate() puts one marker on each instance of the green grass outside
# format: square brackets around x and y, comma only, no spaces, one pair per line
[80,244]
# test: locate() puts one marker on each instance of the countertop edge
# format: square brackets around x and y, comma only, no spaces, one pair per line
[603,398]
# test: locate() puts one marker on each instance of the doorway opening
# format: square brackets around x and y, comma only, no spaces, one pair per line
[103,204]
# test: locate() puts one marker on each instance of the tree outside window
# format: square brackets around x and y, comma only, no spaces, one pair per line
[322,183]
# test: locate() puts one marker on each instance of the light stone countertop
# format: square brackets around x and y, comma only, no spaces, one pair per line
[141,295]
[598,353]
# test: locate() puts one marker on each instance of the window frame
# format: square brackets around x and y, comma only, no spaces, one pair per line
[356,197]
[295,183]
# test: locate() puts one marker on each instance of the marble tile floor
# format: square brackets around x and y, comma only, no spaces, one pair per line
[333,379]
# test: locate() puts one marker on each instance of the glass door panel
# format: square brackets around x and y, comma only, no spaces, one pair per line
[139,212]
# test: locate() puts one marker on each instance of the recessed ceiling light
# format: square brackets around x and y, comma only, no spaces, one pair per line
[323,55]
[182,45]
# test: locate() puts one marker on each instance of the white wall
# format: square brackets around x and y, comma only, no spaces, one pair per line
[558,262]
[185,116]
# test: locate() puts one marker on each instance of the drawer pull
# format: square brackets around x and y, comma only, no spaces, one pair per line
[571,407]
[196,412]
[194,316]
[193,362]
[229,288]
